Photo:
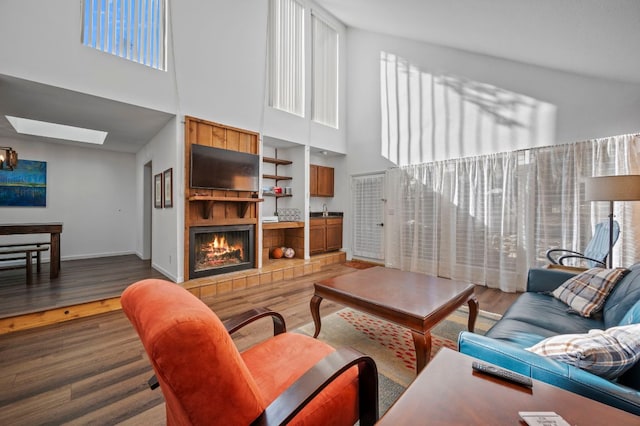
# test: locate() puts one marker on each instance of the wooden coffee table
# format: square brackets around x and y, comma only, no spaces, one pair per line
[448,391]
[411,300]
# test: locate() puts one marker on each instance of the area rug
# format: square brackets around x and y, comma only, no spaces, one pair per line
[360,264]
[391,346]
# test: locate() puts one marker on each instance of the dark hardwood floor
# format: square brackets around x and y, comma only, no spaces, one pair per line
[94,370]
[80,281]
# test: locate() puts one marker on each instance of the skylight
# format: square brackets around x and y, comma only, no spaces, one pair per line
[57,131]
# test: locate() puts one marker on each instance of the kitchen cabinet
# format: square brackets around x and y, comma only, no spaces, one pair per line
[325,234]
[321,181]
[317,236]
[333,234]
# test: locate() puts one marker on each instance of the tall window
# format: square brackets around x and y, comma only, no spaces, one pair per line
[286,56]
[131,29]
[325,73]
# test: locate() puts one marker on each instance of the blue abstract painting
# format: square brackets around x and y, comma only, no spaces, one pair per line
[25,186]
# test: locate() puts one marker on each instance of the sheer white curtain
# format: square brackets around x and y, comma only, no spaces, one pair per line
[488,219]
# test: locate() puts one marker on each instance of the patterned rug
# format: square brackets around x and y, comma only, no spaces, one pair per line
[360,264]
[391,346]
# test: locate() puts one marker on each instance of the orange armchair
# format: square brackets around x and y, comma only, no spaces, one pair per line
[288,378]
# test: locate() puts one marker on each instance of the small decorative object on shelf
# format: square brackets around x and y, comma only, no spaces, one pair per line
[276,253]
[289,253]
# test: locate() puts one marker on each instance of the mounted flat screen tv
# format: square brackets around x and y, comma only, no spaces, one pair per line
[217,168]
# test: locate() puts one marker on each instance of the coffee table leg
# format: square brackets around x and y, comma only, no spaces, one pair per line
[422,344]
[315,313]
[473,312]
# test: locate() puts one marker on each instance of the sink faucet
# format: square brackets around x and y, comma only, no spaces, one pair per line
[324,210]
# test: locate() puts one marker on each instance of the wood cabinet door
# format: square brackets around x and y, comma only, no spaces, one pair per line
[317,236]
[313,180]
[334,234]
[325,181]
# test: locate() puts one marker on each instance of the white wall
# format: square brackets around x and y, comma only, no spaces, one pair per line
[167,223]
[41,41]
[89,191]
[587,107]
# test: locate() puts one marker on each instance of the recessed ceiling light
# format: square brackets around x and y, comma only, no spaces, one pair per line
[57,131]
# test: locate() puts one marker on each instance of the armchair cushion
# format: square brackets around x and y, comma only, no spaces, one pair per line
[606,353]
[278,362]
[586,292]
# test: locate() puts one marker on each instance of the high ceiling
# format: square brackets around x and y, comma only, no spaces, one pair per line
[598,38]
[592,37]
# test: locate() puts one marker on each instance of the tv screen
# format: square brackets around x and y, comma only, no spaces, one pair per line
[217,168]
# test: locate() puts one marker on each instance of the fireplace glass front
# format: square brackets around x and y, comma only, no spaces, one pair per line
[220,249]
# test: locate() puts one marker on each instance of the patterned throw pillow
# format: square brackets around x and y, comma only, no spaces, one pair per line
[586,292]
[606,353]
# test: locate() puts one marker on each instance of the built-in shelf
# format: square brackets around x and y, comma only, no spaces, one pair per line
[267,194]
[276,177]
[208,202]
[276,161]
[282,225]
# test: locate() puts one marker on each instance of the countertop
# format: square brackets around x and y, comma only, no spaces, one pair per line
[318,215]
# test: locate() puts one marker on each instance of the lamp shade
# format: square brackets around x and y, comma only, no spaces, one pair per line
[612,188]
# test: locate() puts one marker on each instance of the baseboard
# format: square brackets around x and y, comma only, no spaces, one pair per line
[164,272]
[96,255]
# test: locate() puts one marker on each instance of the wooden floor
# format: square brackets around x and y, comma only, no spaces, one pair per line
[80,281]
[94,370]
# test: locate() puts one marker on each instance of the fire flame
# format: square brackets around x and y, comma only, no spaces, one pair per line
[220,245]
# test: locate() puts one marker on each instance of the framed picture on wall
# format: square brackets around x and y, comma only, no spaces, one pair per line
[168,187]
[157,191]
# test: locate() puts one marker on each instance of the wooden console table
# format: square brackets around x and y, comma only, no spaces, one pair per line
[54,229]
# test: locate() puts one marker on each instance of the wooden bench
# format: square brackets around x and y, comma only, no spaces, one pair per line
[23,251]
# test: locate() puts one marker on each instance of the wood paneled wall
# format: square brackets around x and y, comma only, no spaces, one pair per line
[220,212]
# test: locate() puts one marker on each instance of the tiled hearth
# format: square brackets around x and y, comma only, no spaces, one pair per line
[272,271]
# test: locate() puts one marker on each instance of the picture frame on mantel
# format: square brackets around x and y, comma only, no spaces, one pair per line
[168,187]
[157,191]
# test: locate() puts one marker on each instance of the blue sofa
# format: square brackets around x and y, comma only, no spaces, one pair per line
[536,315]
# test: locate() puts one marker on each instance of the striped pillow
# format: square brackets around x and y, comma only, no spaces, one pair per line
[586,293]
[606,353]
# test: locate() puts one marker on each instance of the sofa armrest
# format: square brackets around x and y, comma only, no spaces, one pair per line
[544,280]
[546,370]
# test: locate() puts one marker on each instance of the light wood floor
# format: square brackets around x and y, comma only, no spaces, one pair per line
[94,370]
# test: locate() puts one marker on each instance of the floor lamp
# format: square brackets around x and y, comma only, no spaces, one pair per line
[612,188]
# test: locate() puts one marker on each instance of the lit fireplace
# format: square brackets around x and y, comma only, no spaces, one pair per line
[220,249]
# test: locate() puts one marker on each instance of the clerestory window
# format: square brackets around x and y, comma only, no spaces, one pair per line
[131,29]
[325,73]
[286,56]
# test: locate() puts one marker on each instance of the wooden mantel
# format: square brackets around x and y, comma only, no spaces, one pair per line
[208,202]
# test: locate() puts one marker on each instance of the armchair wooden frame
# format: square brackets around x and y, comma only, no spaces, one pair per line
[284,408]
